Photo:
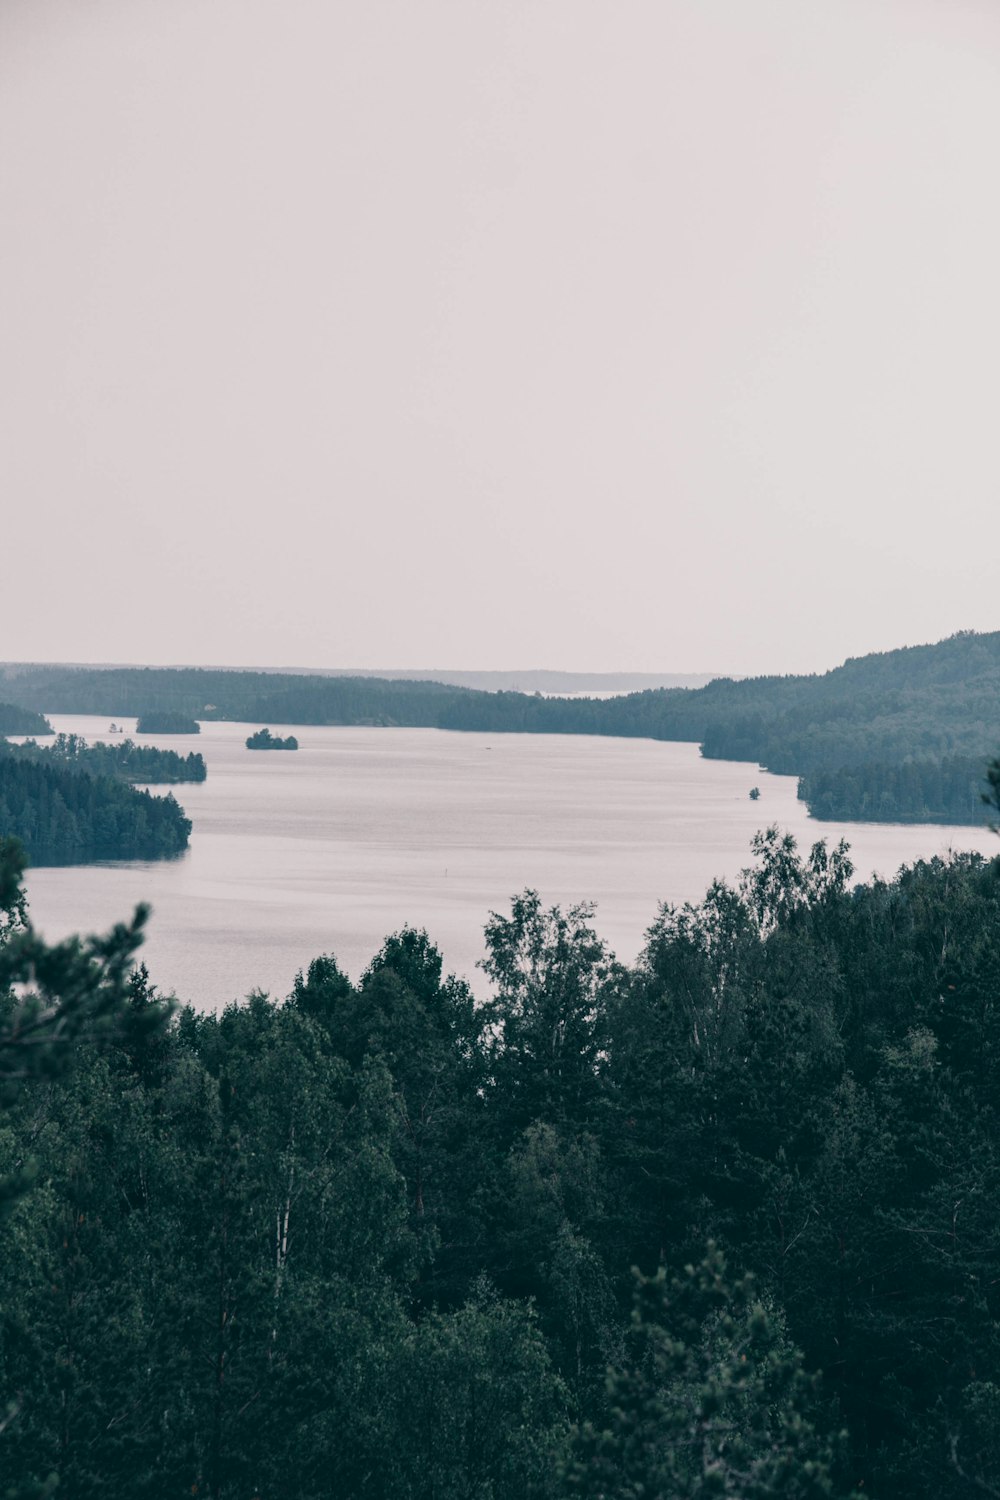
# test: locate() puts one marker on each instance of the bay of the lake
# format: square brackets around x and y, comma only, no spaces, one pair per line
[362,830]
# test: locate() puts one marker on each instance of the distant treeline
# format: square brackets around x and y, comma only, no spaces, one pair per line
[922,704]
[124,759]
[247,697]
[166,721]
[64,815]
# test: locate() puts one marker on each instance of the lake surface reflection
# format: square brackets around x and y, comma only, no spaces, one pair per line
[363,830]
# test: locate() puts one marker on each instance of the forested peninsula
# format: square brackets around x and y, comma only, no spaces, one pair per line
[15,720]
[72,803]
[377,1240]
[896,736]
[124,759]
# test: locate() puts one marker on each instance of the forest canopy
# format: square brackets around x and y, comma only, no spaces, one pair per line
[377,1239]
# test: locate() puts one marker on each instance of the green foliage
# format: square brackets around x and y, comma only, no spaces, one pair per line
[52,996]
[55,1003]
[554,982]
[427,1034]
[713,1402]
[375,1239]
[478,1413]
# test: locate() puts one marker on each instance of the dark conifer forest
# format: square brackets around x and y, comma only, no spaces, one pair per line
[721,1223]
[69,804]
[898,736]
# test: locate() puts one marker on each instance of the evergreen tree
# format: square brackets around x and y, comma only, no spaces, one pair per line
[713,1402]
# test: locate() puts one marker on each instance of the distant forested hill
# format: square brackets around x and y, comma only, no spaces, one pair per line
[244,696]
[913,727]
[922,701]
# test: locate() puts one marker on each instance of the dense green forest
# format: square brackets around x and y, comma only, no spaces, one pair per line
[923,705]
[15,720]
[263,739]
[166,721]
[247,697]
[65,814]
[378,1240]
[125,759]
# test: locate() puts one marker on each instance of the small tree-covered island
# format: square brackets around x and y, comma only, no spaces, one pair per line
[263,739]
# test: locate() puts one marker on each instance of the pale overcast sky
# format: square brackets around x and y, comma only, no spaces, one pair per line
[641,334]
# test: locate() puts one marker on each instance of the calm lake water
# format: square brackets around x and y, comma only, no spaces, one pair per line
[329,849]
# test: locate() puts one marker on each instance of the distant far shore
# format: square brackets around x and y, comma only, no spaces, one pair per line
[531,680]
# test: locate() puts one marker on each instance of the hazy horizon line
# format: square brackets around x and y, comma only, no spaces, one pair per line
[177,666]
[446,674]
